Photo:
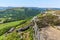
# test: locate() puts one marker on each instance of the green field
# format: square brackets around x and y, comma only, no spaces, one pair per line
[6,26]
[14,35]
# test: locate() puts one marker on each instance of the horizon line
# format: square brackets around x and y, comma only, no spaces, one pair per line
[29,6]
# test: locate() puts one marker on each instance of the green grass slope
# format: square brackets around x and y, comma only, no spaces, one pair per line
[6,26]
[27,35]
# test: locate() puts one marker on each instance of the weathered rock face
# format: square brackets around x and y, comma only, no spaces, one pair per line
[36,35]
[10,31]
[23,29]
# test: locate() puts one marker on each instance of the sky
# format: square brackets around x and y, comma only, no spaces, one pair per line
[31,3]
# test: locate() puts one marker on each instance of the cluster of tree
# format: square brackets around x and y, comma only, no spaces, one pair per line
[19,13]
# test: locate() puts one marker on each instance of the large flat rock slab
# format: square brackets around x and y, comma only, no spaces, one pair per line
[50,33]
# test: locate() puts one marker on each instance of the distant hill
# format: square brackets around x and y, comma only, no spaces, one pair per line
[19,13]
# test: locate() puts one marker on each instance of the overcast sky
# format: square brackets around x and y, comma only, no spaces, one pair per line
[31,3]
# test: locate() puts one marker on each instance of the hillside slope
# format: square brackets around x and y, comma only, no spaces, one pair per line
[49,25]
[19,13]
[46,26]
